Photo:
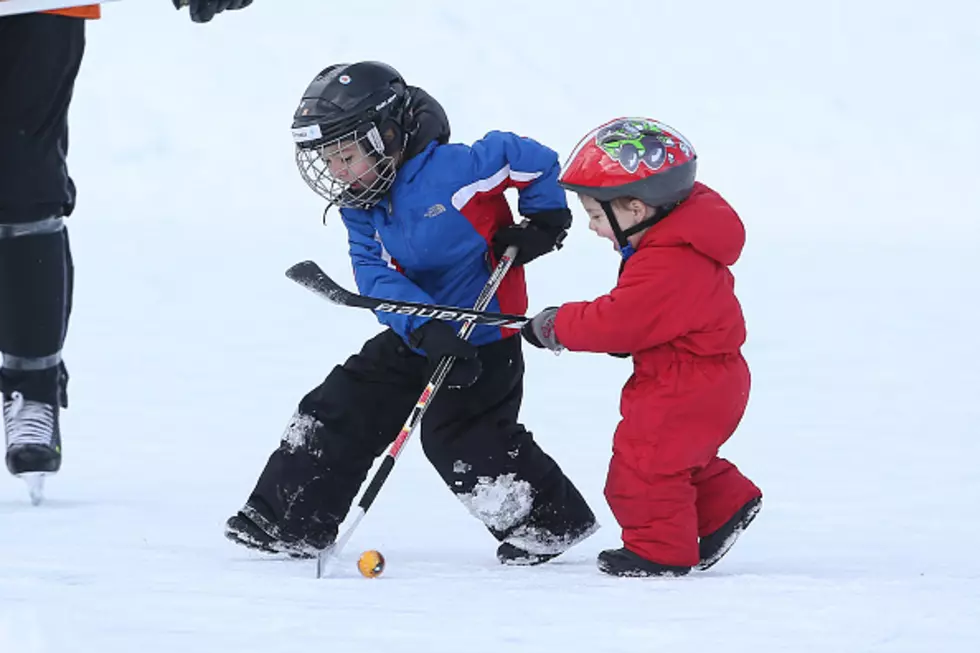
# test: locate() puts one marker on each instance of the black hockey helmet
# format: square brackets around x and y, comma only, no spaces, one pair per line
[348,132]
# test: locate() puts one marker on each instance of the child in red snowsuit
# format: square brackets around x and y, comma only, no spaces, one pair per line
[675,312]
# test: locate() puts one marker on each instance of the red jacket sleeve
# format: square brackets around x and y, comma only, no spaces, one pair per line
[656,300]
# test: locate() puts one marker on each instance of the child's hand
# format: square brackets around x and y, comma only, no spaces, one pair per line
[438,339]
[542,233]
[540,331]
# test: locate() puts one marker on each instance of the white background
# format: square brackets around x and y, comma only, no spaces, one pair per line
[844,132]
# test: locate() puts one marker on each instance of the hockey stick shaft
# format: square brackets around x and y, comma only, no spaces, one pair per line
[309,275]
[415,417]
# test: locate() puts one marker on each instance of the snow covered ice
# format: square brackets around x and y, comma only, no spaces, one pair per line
[844,133]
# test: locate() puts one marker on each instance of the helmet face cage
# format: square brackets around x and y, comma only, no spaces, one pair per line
[351,171]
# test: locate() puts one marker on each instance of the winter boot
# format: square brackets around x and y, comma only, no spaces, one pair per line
[623,562]
[713,547]
[508,554]
[251,527]
[240,529]
[527,546]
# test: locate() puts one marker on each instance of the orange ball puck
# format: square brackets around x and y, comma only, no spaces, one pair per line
[371,564]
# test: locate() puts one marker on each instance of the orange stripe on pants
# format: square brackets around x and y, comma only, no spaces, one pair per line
[88,11]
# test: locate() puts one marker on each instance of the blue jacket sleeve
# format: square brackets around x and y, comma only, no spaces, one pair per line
[375,277]
[520,163]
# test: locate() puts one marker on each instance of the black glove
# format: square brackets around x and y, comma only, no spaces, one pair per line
[541,234]
[204,10]
[438,339]
[540,331]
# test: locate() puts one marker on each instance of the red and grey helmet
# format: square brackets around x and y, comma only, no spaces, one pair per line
[632,157]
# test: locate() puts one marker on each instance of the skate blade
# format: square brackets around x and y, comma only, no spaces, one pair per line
[35,486]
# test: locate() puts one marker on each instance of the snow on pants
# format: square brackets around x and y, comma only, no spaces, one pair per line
[666,484]
[470,435]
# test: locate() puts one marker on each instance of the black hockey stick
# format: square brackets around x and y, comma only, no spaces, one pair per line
[309,275]
[328,556]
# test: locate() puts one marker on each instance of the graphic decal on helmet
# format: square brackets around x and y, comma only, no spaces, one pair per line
[632,141]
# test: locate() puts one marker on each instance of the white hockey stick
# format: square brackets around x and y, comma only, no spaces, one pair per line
[328,557]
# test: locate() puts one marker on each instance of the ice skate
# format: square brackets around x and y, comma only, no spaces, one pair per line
[33,441]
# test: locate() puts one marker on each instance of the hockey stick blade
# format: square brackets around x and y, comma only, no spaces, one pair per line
[309,275]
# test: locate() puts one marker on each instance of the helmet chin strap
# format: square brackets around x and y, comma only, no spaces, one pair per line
[622,235]
[622,238]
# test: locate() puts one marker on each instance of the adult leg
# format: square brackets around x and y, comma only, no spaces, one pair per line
[39,60]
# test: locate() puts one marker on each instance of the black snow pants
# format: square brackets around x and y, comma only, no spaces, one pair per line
[470,435]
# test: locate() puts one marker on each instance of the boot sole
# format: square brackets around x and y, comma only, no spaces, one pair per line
[274,547]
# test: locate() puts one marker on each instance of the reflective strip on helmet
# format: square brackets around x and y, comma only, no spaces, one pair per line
[307,134]
[374,137]
[381,105]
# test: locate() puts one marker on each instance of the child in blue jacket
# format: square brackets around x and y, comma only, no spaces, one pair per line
[427,222]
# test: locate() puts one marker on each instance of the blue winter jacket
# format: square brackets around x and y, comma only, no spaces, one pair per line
[428,240]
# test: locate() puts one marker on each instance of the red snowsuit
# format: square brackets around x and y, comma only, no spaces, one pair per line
[674,309]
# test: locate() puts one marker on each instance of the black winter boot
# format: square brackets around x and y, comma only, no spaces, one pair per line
[713,547]
[508,554]
[251,527]
[623,562]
